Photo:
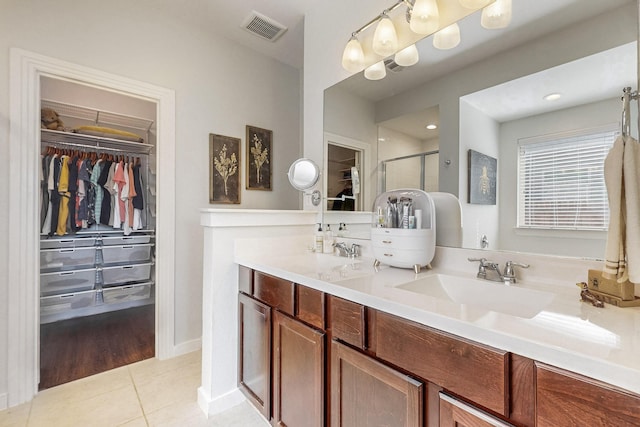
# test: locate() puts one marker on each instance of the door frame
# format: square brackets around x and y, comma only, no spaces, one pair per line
[23,302]
[365,156]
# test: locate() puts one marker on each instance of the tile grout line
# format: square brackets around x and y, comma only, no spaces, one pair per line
[135,388]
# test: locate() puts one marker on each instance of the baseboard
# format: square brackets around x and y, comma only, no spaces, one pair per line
[187,347]
[4,401]
[221,403]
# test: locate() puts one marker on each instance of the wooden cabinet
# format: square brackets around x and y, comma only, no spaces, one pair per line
[455,413]
[567,399]
[281,360]
[477,372]
[298,373]
[384,370]
[367,393]
[254,361]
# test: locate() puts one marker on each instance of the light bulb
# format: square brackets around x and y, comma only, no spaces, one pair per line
[425,17]
[353,56]
[376,71]
[496,15]
[385,39]
[474,4]
[407,56]
[447,38]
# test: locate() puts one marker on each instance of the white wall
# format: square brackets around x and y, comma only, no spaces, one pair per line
[394,144]
[481,133]
[570,243]
[220,87]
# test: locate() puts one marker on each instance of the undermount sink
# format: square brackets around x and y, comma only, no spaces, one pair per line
[511,300]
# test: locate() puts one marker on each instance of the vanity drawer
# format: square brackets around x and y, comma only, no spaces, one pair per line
[347,321]
[477,372]
[275,292]
[310,306]
[564,398]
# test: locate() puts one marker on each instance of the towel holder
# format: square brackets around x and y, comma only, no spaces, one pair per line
[627,96]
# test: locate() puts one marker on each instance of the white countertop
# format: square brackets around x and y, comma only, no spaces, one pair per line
[601,343]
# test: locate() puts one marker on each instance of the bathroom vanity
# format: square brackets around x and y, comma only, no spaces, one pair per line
[325,340]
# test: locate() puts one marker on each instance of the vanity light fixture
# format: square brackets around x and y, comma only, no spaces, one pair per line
[552,96]
[376,71]
[422,17]
[385,38]
[447,38]
[496,15]
[353,56]
[425,17]
[407,56]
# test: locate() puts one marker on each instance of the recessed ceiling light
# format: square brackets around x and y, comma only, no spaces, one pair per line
[381,139]
[432,127]
[552,96]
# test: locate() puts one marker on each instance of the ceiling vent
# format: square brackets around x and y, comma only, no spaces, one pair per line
[393,66]
[263,26]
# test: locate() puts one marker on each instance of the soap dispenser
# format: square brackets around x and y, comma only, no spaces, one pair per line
[328,241]
[318,240]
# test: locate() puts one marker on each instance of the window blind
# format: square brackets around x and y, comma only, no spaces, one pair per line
[561,181]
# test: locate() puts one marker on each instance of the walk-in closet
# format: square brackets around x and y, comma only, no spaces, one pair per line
[97,230]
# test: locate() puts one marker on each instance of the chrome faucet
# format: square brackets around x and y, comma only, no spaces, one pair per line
[345,251]
[508,277]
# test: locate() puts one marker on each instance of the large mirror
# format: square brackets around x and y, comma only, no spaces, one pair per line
[486,95]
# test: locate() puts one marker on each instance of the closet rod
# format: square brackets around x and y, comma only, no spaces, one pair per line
[86,147]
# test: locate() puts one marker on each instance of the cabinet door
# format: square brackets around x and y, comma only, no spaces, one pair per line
[254,354]
[366,393]
[566,399]
[454,413]
[298,373]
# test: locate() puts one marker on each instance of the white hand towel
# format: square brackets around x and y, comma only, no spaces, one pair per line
[622,178]
[631,175]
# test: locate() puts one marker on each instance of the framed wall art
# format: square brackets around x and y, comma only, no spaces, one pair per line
[482,179]
[224,162]
[259,158]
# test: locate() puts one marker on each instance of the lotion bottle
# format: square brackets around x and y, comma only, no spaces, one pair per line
[318,240]
[328,241]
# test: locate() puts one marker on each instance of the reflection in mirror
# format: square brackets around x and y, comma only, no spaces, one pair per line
[341,194]
[465,122]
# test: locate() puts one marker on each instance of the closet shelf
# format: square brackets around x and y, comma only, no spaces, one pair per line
[68,139]
[98,117]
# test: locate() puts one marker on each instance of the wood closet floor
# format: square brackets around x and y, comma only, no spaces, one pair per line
[77,348]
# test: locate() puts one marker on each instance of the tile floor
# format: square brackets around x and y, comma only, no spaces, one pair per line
[147,393]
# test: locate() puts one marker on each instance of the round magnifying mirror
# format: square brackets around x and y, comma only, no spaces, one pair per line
[303,174]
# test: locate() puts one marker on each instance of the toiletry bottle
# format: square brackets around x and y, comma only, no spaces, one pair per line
[328,240]
[318,239]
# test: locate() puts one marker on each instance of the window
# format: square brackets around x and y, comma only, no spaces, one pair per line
[561,180]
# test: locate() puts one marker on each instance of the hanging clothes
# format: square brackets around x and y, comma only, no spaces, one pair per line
[63,191]
[109,187]
[44,189]
[118,188]
[105,208]
[54,196]
[97,189]
[73,190]
[138,201]
[622,179]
